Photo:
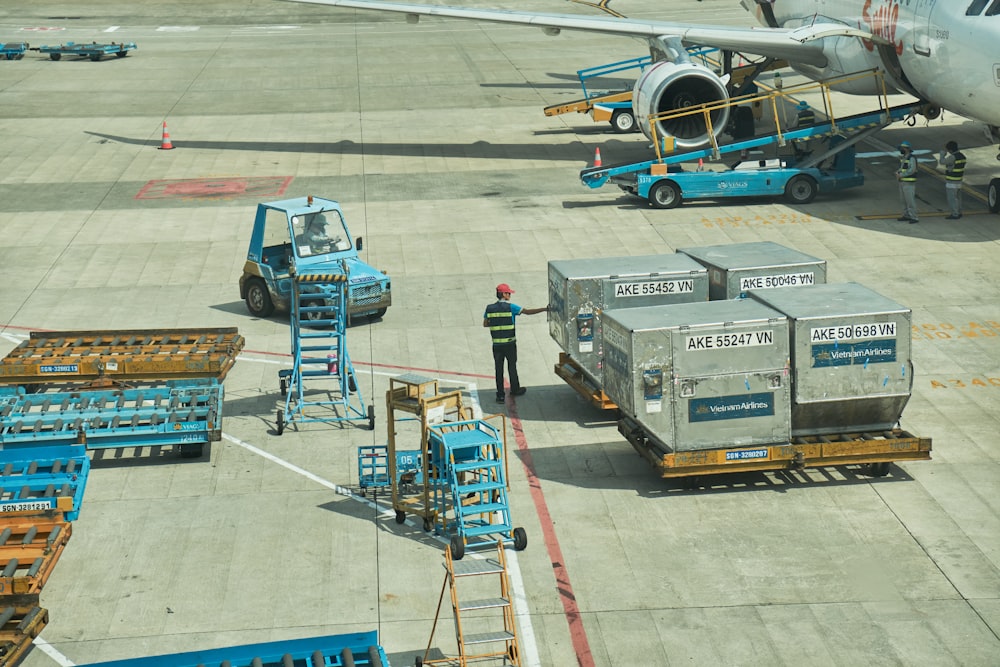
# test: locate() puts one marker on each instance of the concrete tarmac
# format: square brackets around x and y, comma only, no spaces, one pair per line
[433,139]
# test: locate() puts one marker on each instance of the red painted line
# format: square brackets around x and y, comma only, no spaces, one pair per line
[577,633]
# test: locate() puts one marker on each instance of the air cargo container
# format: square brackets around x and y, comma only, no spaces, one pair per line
[735,269]
[702,375]
[580,290]
[851,365]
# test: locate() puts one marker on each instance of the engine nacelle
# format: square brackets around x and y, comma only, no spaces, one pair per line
[667,86]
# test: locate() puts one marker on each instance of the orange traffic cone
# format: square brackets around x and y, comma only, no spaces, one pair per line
[597,157]
[165,145]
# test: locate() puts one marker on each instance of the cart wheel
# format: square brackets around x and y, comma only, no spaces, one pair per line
[512,654]
[371,417]
[352,384]
[121,54]
[622,121]
[428,524]
[55,56]
[191,450]
[457,547]
[520,539]
[279,423]
[801,189]
[418,662]
[880,469]
[94,57]
[283,383]
[347,658]
[665,194]
[400,516]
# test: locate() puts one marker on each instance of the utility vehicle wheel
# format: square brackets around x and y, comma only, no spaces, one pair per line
[623,121]
[520,539]
[993,195]
[457,547]
[259,299]
[400,516]
[314,315]
[665,194]
[801,189]
[279,422]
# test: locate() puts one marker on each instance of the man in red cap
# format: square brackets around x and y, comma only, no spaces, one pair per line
[499,319]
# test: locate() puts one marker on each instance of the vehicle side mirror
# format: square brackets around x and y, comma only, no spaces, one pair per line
[357,244]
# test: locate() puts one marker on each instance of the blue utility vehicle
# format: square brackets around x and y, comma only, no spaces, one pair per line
[307,233]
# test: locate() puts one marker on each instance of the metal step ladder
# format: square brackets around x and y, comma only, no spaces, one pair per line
[472,506]
[319,356]
[480,622]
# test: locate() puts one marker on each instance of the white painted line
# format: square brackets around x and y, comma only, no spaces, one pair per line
[526,635]
[50,651]
[113,28]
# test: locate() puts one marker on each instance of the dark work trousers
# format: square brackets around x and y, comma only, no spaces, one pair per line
[506,352]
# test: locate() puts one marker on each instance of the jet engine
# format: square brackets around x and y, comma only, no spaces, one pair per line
[668,86]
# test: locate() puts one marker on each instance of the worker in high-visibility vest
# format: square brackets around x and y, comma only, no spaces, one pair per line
[804,118]
[499,319]
[907,177]
[953,161]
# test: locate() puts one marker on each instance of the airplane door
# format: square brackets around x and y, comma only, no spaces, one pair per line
[922,26]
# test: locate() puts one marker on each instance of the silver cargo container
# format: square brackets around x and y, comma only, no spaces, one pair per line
[581,289]
[851,364]
[736,268]
[703,375]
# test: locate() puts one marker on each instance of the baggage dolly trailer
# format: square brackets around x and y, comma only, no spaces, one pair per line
[94,51]
[876,450]
[13,50]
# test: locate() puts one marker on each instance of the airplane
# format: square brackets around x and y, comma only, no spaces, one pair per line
[934,50]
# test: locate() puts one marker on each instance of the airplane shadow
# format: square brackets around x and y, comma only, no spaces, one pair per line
[570,152]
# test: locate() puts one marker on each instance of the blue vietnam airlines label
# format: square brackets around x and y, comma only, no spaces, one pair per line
[737,406]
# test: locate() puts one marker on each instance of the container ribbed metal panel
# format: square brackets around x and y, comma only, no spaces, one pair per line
[736,268]
[580,290]
[702,375]
[851,357]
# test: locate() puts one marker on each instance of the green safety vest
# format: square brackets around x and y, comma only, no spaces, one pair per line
[904,164]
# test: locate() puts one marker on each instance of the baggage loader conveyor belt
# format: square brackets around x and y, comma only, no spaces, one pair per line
[878,449]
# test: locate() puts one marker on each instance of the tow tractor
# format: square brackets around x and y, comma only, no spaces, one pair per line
[665,183]
[314,233]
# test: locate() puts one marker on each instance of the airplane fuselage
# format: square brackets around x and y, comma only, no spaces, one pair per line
[935,49]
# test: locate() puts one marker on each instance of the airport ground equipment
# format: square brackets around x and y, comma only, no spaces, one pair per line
[665,183]
[476,620]
[94,51]
[307,234]
[373,467]
[30,547]
[318,327]
[43,479]
[13,50]
[20,623]
[109,389]
[471,506]
[573,374]
[876,450]
[416,400]
[615,107]
[360,649]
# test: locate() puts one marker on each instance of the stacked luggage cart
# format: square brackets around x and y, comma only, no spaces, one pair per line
[116,389]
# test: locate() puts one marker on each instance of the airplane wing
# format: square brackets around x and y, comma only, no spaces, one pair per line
[799,45]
